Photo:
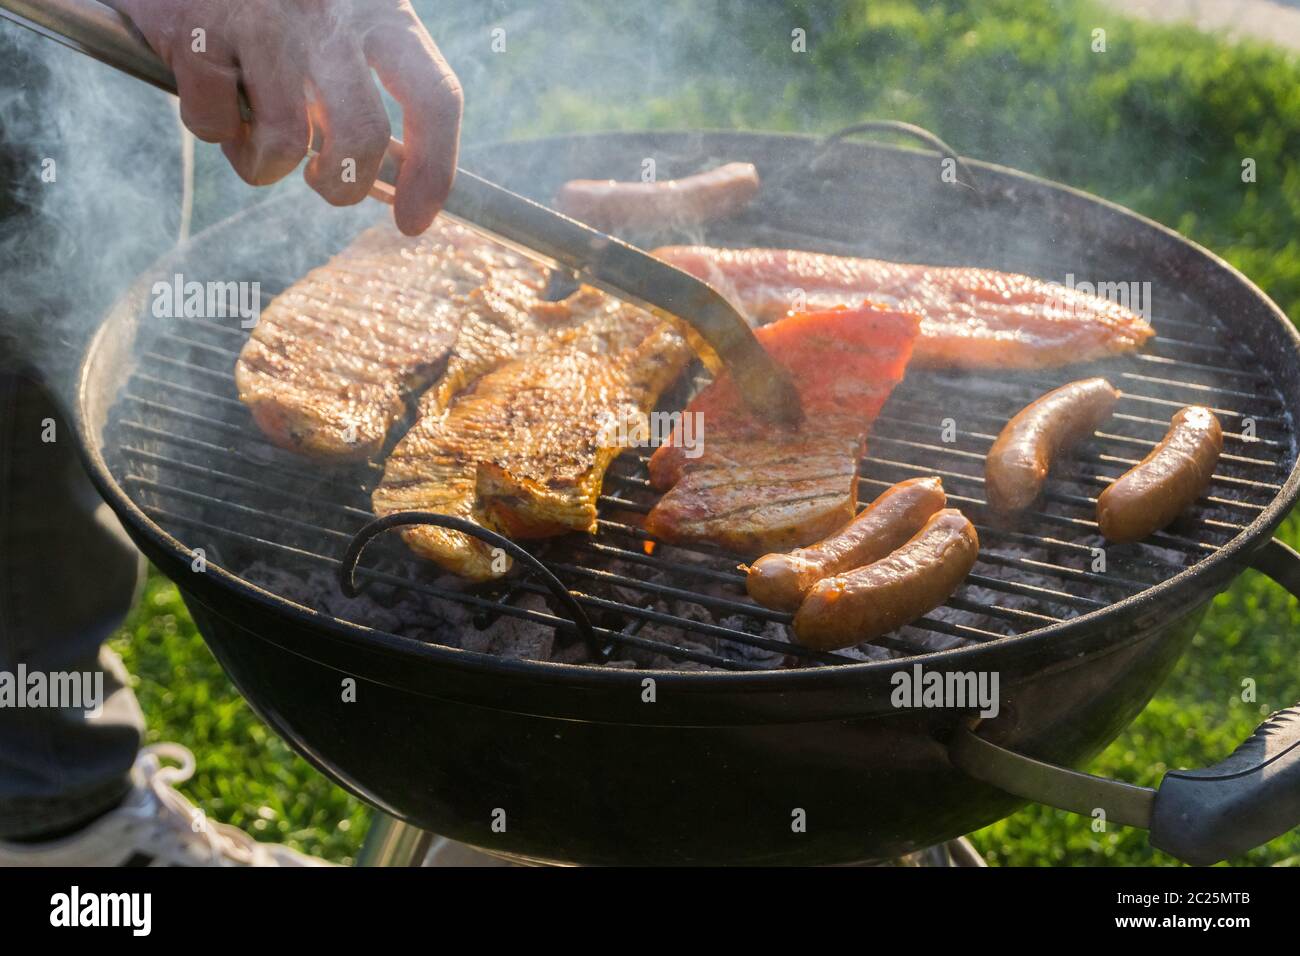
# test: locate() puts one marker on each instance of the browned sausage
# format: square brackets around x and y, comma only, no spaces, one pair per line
[1019,460]
[867,603]
[609,204]
[1160,487]
[781,580]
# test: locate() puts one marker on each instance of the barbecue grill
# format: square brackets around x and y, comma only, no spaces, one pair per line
[740,729]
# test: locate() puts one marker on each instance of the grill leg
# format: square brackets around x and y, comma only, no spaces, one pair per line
[963,853]
[390,842]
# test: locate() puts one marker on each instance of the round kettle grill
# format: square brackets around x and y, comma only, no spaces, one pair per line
[723,733]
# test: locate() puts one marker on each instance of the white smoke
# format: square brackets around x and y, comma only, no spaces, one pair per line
[91,193]
[113,144]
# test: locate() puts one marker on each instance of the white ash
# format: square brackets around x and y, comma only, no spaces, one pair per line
[408,612]
[868,652]
[382,606]
[769,630]
[662,634]
[630,594]
[517,638]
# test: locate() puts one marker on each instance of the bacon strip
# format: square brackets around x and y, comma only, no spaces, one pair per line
[970,318]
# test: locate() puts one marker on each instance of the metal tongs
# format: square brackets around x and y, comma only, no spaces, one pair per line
[714,328]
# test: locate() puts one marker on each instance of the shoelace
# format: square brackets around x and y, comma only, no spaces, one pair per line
[175,818]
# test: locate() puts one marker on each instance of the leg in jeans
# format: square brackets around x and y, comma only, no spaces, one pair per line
[68,575]
[75,790]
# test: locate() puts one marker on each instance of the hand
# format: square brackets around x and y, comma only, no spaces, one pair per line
[306,64]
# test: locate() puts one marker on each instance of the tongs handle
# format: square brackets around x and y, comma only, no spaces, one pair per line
[96,30]
[715,329]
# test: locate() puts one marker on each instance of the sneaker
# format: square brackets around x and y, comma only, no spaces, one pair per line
[155,825]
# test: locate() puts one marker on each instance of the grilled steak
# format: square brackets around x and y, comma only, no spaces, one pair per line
[755,488]
[755,497]
[523,448]
[327,370]
[971,318]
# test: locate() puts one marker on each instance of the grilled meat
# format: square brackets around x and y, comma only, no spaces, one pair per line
[703,197]
[970,318]
[752,497]
[327,370]
[781,579]
[523,449]
[755,488]
[868,602]
[1016,467]
[1154,492]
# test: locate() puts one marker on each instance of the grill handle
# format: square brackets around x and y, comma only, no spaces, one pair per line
[1199,816]
[1204,816]
[910,130]
[399,519]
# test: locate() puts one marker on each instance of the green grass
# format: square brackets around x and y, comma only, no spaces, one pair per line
[1160,122]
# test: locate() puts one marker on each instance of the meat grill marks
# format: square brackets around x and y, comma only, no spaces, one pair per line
[329,367]
[516,389]
[504,318]
[203,494]
[752,497]
[755,488]
[523,450]
[332,370]
[970,318]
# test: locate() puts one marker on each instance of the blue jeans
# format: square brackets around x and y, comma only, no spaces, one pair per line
[68,574]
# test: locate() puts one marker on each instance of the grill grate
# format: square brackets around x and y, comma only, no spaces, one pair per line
[188,453]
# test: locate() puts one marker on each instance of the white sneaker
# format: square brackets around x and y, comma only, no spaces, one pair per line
[155,826]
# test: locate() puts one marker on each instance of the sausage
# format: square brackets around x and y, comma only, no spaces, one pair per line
[1160,487]
[645,207]
[780,580]
[867,603]
[1019,460]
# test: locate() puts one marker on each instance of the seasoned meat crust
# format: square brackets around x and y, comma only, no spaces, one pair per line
[523,449]
[520,395]
[328,368]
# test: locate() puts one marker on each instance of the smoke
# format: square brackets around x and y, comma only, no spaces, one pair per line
[540,66]
[91,191]
[92,160]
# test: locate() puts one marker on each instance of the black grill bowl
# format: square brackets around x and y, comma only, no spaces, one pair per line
[572,759]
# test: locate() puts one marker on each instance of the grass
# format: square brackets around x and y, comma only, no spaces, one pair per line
[1160,122]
